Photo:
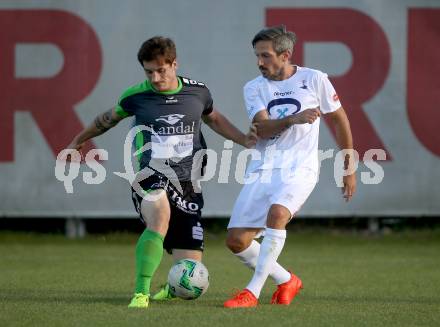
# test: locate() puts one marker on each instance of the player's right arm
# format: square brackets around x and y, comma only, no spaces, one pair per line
[259,115]
[102,123]
[267,128]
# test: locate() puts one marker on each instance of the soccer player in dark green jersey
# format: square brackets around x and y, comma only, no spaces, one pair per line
[171,108]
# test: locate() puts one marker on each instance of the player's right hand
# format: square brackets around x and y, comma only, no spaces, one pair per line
[70,152]
[307,116]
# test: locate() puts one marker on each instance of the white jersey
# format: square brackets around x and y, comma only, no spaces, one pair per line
[298,145]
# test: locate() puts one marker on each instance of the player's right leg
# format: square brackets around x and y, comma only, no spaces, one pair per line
[154,210]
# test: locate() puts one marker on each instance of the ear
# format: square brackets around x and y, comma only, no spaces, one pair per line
[175,64]
[287,55]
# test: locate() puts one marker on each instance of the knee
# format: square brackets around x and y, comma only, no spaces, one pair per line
[278,217]
[156,211]
[236,244]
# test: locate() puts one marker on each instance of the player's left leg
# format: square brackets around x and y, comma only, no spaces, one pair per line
[271,246]
[294,191]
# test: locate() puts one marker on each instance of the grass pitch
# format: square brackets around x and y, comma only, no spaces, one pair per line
[349,280]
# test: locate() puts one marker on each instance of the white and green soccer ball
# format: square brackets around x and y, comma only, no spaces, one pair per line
[188,279]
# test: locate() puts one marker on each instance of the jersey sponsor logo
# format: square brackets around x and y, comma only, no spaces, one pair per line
[172,146]
[170,119]
[283,107]
[192,82]
[304,86]
[282,112]
[158,185]
[184,205]
[335,97]
[197,232]
[171,99]
[282,94]
[176,129]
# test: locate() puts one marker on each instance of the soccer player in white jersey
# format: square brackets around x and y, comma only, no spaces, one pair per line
[285,104]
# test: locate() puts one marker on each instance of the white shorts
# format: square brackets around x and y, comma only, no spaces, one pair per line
[289,188]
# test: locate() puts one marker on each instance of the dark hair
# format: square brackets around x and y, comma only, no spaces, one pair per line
[282,39]
[157,47]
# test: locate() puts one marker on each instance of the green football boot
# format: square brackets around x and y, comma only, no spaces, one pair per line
[140,301]
[163,294]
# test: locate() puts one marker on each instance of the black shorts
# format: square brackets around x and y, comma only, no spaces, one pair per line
[185,230]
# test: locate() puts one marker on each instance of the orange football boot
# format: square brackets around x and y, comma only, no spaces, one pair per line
[286,292]
[243,299]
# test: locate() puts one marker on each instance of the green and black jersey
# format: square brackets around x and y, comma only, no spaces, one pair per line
[173,121]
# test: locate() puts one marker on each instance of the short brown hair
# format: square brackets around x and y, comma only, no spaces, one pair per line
[282,39]
[157,47]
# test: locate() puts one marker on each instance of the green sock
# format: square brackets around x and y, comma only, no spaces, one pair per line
[149,251]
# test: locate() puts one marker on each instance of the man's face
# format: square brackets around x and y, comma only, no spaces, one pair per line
[269,62]
[161,74]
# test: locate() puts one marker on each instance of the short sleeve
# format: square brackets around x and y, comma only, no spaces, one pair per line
[123,107]
[253,100]
[328,98]
[121,112]
[208,103]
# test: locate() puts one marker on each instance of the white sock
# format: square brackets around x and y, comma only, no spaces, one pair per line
[270,249]
[250,256]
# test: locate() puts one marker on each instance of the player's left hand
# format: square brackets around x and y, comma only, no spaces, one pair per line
[349,187]
[251,137]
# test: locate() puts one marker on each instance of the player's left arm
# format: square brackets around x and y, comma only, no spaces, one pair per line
[344,140]
[221,125]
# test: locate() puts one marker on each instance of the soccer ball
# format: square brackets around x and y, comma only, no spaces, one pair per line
[188,279]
